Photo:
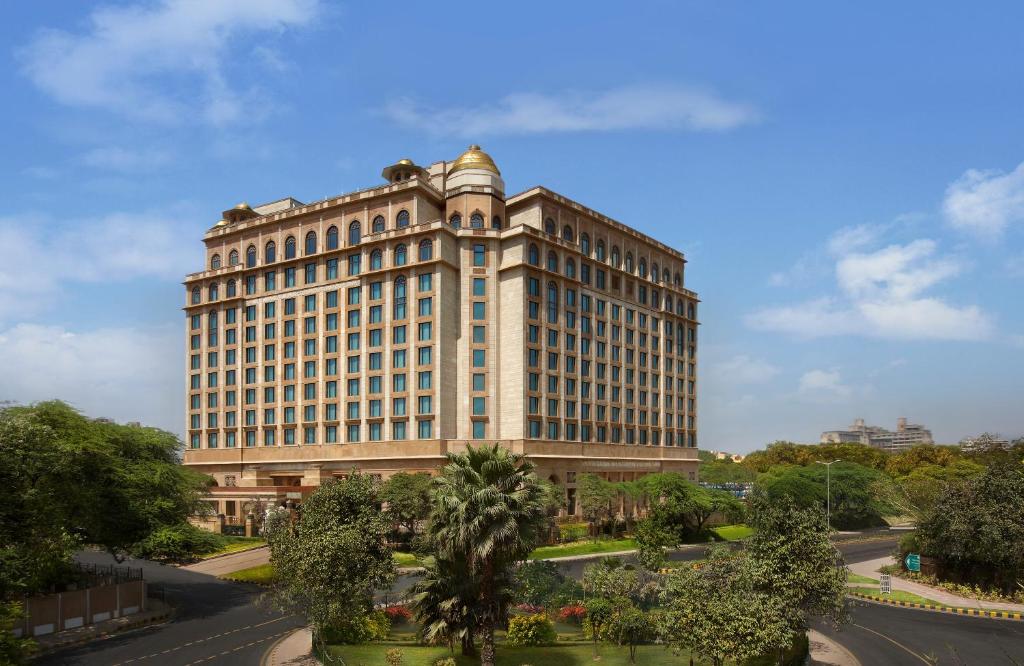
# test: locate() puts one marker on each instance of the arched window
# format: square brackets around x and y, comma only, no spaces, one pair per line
[213,292]
[570,268]
[403,218]
[655,298]
[215,261]
[455,220]
[567,233]
[376,260]
[378,224]
[233,258]
[332,238]
[197,295]
[668,302]
[654,272]
[476,221]
[552,303]
[533,255]
[616,257]
[311,243]
[585,244]
[401,255]
[678,280]
[599,250]
[399,311]
[549,226]
[666,277]
[679,307]
[289,247]
[629,262]
[426,249]
[642,268]
[355,232]
[496,222]
[231,289]
[270,252]
[250,256]
[552,261]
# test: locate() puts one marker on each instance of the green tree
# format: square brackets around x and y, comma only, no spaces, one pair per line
[682,508]
[329,562]
[714,470]
[651,542]
[445,602]
[793,561]
[715,611]
[541,583]
[66,480]
[13,650]
[407,500]
[596,498]
[631,627]
[599,615]
[488,511]
[976,528]
[855,501]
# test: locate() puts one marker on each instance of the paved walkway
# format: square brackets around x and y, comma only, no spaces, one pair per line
[226,564]
[870,568]
[827,652]
[295,649]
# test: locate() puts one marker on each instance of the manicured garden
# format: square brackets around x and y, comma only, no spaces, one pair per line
[233,544]
[262,574]
[896,595]
[567,654]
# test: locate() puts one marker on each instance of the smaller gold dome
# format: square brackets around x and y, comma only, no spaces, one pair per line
[405,161]
[243,206]
[222,223]
[474,158]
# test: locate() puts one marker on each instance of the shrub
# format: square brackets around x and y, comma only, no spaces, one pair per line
[393,657]
[572,532]
[447,661]
[398,614]
[176,543]
[373,627]
[529,609]
[909,543]
[532,630]
[572,614]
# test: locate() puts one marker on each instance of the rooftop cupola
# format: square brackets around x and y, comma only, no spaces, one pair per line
[403,169]
[474,167]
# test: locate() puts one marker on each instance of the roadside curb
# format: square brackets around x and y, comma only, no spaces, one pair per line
[222,555]
[155,618]
[825,651]
[953,610]
[294,647]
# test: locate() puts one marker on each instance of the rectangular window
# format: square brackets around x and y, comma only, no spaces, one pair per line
[479,286]
[479,333]
[479,358]
[478,381]
[479,406]
[426,281]
[479,310]
[479,253]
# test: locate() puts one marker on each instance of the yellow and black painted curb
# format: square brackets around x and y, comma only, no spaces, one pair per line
[973,612]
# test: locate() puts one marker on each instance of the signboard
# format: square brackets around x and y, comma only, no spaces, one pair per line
[291,495]
[913,562]
[885,584]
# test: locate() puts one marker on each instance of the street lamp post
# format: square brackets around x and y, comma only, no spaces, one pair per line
[828,490]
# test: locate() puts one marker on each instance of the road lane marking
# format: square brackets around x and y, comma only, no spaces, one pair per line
[894,642]
[202,640]
[240,647]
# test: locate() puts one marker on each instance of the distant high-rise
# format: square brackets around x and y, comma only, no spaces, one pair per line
[905,436]
[382,328]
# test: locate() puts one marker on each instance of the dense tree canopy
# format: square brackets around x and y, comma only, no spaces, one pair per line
[67,480]
[854,500]
[407,500]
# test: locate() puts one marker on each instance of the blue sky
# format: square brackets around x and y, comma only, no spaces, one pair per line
[847,181]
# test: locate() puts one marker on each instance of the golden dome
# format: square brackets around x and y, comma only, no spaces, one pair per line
[243,206]
[474,158]
[221,223]
[405,161]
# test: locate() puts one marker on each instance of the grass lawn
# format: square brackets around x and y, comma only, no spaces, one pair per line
[857,578]
[405,559]
[557,655]
[261,575]
[583,548]
[897,595]
[235,544]
[733,532]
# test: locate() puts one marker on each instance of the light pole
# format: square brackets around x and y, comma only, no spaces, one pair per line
[828,490]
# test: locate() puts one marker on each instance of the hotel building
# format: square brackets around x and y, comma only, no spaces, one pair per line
[382,328]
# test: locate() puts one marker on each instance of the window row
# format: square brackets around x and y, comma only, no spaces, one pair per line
[400,430]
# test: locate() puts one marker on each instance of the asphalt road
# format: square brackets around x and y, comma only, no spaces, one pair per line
[217,622]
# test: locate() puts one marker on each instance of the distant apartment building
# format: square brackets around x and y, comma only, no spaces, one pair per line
[384,328]
[905,436]
[984,441]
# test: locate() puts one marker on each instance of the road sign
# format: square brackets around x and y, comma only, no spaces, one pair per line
[885,584]
[913,562]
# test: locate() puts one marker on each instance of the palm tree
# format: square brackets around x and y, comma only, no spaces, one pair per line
[489,509]
[444,601]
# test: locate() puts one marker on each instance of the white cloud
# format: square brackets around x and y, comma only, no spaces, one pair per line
[882,294]
[742,369]
[823,385]
[122,373]
[986,202]
[157,62]
[127,160]
[38,258]
[848,239]
[649,107]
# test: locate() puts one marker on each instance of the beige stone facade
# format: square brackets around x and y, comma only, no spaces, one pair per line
[383,328]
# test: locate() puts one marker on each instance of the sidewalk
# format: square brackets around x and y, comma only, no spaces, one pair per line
[295,649]
[827,652]
[870,568]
